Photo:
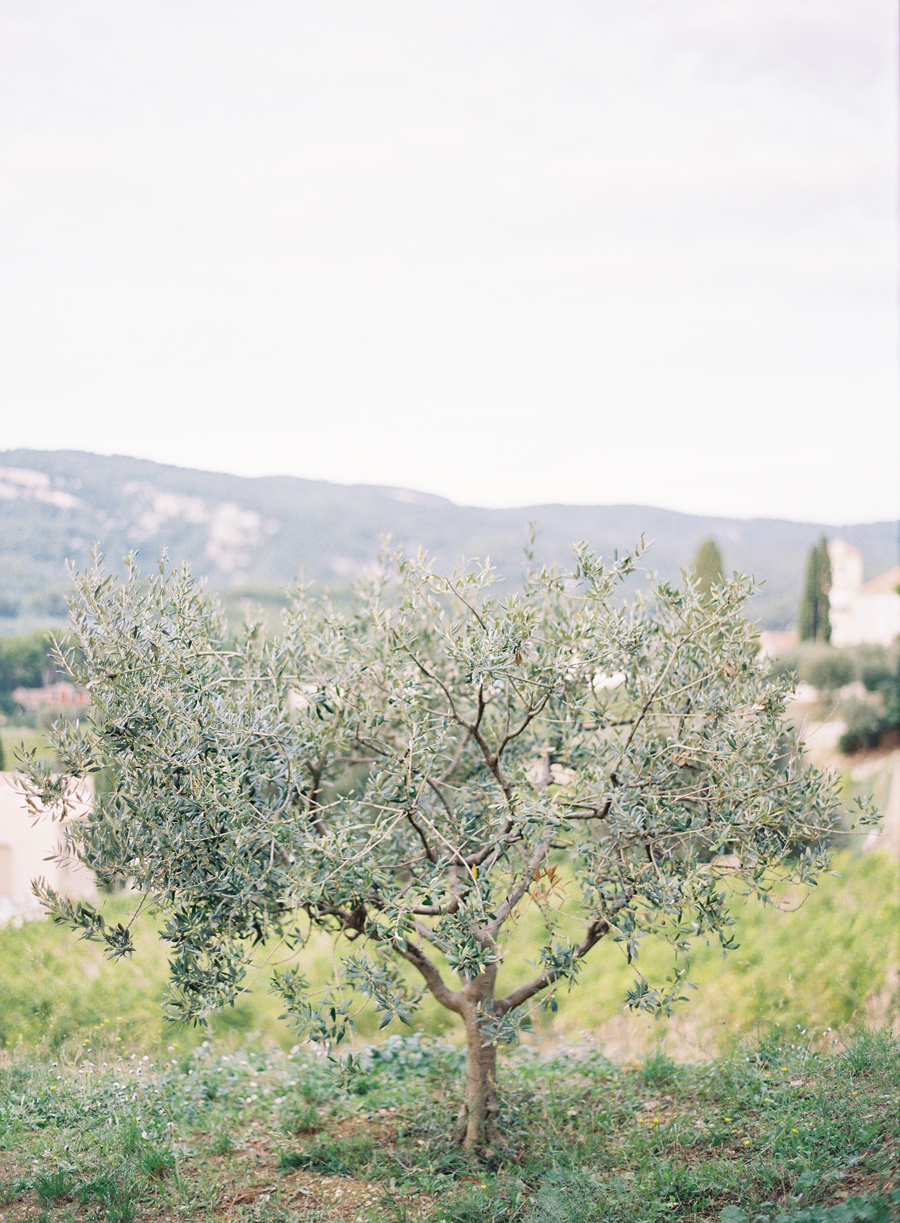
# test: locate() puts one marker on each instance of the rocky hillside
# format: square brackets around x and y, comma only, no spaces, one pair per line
[262,533]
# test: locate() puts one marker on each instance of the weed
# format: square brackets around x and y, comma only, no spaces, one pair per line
[851,1210]
[331,1157]
[53,1186]
[658,1070]
[156,1161]
[300,1119]
[476,1205]
[116,1195]
[399,1211]
[130,1136]
[565,1197]
[222,1142]
[868,1053]
[10,1190]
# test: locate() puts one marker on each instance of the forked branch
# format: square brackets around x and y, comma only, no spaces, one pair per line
[595,932]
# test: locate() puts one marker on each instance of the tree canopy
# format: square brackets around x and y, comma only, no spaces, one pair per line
[416,772]
[25,661]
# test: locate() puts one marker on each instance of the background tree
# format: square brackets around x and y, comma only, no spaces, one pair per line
[417,773]
[708,570]
[814,622]
[25,661]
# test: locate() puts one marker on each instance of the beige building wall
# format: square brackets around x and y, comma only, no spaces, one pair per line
[861,613]
[846,566]
[26,846]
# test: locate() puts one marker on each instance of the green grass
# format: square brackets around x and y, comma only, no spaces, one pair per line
[776,1132]
[849,925]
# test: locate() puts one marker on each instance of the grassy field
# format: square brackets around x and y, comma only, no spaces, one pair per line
[776,1133]
[768,1100]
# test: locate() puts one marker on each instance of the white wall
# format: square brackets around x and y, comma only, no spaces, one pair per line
[25,847]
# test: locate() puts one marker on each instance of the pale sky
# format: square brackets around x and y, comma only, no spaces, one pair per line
[507,251]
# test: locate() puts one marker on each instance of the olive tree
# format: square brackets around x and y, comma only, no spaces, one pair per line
[416,772]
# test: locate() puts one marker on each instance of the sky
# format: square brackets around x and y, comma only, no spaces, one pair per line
[507,251]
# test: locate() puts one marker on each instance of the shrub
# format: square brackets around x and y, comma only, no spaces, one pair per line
[863,727]
[876,667]
[785,664]
[828,670]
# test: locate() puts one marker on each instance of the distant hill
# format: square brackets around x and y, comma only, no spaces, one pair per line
[260,534]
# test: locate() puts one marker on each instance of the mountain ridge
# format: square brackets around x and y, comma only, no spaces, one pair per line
[264,531]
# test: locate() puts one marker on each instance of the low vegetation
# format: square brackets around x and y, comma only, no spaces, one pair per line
[777,1132]
[870,672]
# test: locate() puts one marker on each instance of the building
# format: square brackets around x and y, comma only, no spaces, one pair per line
[60,696]
[27,849]
[861,613]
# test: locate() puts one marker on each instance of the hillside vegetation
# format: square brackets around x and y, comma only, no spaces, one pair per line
[253,537]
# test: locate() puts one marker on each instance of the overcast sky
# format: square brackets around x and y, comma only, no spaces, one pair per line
[509,251]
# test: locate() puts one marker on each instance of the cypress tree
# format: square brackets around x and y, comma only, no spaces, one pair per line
[814,623]
[809,605]
[708,570]
[824,591]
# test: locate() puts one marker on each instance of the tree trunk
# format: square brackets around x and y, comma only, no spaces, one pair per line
[480,1106]
[474,1003]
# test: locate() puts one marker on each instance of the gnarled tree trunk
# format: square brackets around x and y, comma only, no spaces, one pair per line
[480,1104]
[478,1115]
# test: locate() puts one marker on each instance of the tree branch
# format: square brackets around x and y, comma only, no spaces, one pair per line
[447,997]
[451,589]
[595,932]
[540,853]
[312,799]
[445,802]
[457,756]
[590,813]
[659,683]
[428,854]
[529,717]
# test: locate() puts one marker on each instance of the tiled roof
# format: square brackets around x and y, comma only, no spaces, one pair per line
[884,584]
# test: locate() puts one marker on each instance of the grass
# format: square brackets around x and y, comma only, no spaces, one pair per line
[777,1132]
